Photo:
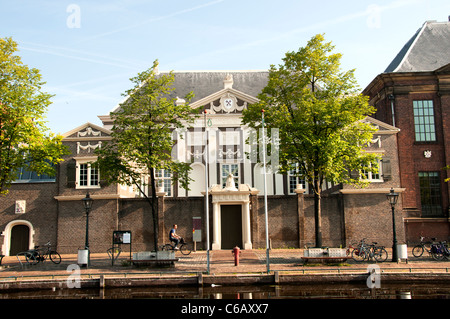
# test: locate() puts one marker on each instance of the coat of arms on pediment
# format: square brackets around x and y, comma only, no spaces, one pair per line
[226,101]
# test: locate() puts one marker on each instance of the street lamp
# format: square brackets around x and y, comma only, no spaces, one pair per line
[87,203]
[392,198]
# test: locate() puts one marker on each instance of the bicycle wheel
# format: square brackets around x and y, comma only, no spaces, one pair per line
[55,257]
[358,255]
[365,254]
[167,247]
[437,256]
[185,250]
[417,251]
[380,254]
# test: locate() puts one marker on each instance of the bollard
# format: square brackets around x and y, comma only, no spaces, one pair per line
[236,251]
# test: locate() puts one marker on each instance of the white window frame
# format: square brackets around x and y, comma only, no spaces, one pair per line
[297,180]
[236,174]
[164,177]
[372,177]
[86,161]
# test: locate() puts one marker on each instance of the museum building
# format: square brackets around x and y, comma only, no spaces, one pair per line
[39,209]
[412,98]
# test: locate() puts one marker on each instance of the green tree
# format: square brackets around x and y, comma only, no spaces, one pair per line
[142,140]
[319,115]
[25,141]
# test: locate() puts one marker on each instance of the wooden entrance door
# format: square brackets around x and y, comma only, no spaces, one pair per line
[20,239]
[231,221]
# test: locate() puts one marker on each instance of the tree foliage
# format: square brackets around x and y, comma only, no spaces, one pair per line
[319,114]
[25,141]
[142,140]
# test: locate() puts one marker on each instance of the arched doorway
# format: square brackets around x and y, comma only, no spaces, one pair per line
[20,239]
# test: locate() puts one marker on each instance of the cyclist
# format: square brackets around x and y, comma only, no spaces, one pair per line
[174,237]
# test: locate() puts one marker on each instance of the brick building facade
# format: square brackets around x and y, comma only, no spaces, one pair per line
[413,94]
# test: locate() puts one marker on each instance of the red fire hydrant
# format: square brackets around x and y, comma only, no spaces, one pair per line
[236,251]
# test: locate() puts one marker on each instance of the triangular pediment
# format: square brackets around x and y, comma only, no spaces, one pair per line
[382,128]
[225,101]
[87,131]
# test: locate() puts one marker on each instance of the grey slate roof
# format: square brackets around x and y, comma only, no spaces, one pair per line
[205,83]
[427,50]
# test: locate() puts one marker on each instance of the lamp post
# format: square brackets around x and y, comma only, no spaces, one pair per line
[392,198]
[87,203]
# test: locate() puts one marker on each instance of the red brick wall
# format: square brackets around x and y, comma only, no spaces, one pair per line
[406,88]
[41,211]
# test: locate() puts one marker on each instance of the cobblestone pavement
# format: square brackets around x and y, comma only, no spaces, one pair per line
[221,262]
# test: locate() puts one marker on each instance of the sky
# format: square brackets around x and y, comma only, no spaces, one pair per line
[88,50]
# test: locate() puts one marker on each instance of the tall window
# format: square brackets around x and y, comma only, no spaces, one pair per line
[424,121]
[232,169]
[164,179]
[294,179]
[430,193]
[88,176]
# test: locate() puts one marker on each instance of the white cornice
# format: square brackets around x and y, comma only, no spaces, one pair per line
[63,198]
[370,190]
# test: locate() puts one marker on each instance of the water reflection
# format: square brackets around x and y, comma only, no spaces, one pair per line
[320,291]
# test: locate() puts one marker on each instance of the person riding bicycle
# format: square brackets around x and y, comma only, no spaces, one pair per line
[174,237]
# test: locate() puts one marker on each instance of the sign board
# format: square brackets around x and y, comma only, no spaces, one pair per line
[121,237]
[197,229]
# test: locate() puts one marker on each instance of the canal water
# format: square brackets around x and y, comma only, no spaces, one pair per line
[318,291]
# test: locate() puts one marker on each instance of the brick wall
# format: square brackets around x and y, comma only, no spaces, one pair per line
[370,217]
[41,212]
[72,225]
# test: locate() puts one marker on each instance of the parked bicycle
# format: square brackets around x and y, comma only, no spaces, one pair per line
[184,247]
[355,250]
[419,249]
[359,252]
[440,251]
[364,251]
[379,253]
[36,255]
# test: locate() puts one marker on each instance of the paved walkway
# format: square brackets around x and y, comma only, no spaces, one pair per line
[221,262]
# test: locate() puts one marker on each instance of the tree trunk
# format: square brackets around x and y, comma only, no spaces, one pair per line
[317,213]
[154,205]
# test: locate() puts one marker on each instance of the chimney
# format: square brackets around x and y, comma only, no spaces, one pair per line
[228,82]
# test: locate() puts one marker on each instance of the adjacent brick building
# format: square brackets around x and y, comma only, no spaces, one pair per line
[413,94]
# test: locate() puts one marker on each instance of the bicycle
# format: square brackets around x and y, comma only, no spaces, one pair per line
[365,252]
[440,251]
[359,252]
[184,247]
[36,255]
[419,249]
[378,253]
